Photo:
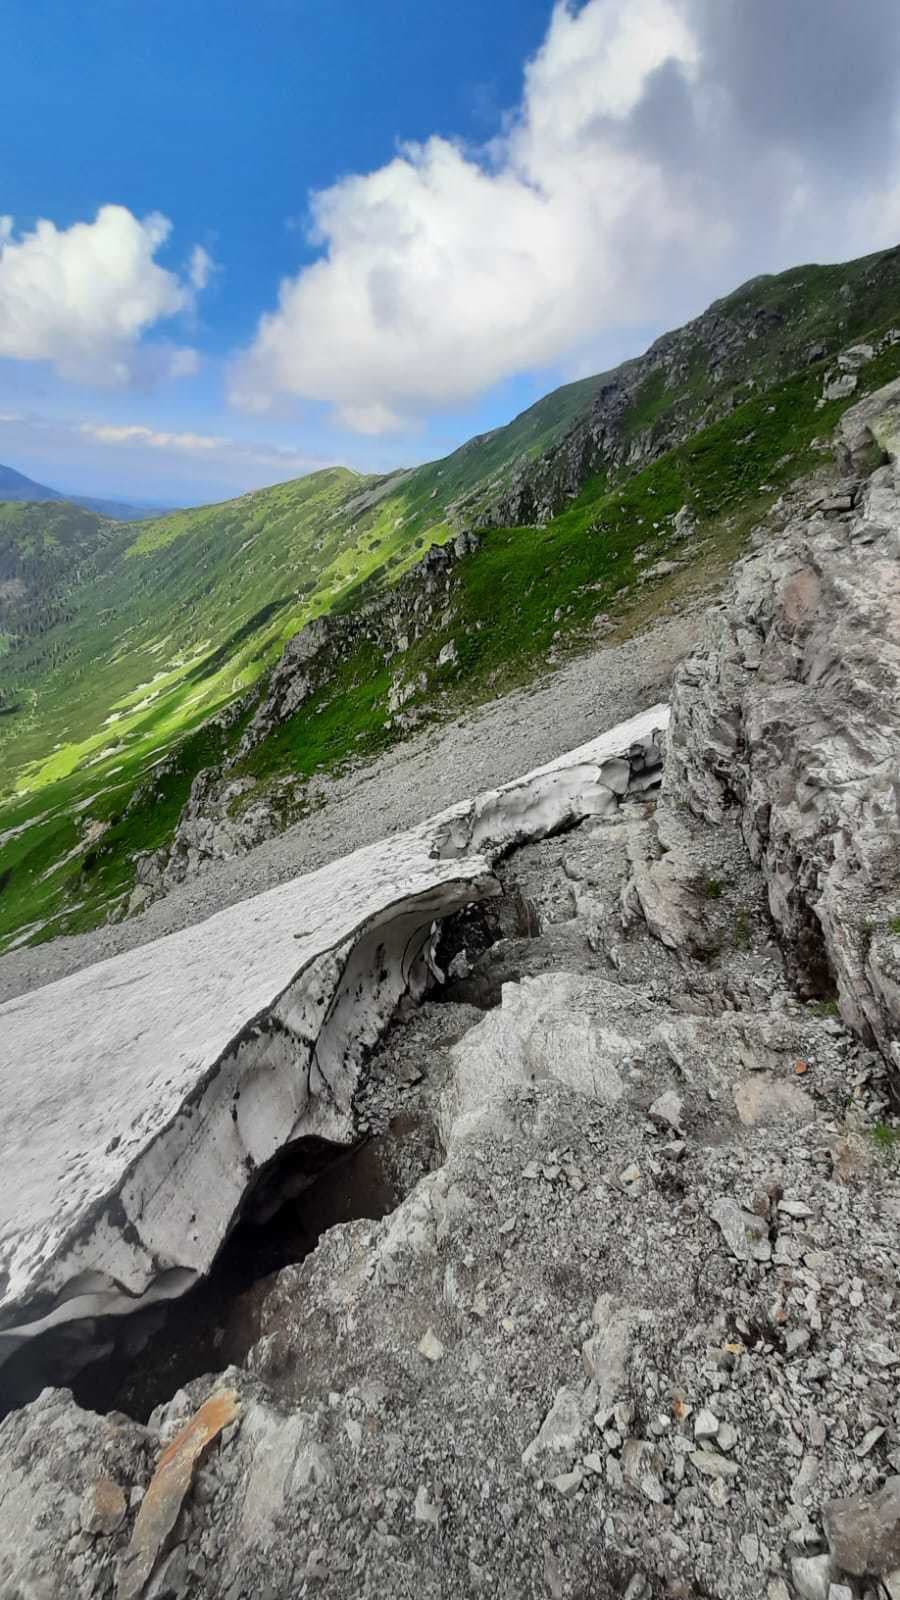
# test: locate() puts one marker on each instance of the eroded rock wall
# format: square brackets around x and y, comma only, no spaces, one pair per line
[790,710]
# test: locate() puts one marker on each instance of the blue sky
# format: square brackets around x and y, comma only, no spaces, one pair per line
[503,196]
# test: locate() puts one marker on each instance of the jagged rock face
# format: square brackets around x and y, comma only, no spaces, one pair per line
[724,341]
[391,623]
[790,710]
[292,681]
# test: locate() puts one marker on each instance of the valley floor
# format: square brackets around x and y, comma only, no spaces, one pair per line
[435,769]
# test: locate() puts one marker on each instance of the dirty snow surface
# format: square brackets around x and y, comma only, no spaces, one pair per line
[143,1092]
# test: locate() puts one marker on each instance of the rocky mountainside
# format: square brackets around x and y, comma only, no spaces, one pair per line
[228,810]
[606,503]
[251,795]
[770,327]
[620,1316]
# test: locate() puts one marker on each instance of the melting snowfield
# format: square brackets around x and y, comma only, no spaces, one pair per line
[144,1094]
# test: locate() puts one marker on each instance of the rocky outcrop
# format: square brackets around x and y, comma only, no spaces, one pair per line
[790,711]
[729,343]
[229,812]
[391,624]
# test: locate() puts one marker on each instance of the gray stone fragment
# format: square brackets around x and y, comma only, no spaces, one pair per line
[863,1531]
[605,1354]
[811,1576]
[313,1469]
[430,1346]
[424,1509]
[713,1465]
[883,1355]
[706,1424]
[173,1580]
[745,1234]
[749,1547]
[560,1430]
[668,1110]
[652,1489]
[840,388]
[567,1483]
[103,1507]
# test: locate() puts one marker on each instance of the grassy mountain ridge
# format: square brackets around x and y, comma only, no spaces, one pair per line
[692,377]
[159,626]
[46,551]
[233,582]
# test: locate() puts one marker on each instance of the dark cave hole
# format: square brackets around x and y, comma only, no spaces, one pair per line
[473,932]
[134,1363]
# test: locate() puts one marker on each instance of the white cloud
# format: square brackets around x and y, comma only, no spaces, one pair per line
[595,63]
[137,436]
[445,271]
[637,178]
[83,297]
[182,363]
[201,267]
[141,462]
[375,419]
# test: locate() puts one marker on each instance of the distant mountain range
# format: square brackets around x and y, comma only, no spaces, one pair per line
[15,486]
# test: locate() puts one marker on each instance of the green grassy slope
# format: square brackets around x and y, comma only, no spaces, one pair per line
[46,551]
[529,596]
[179,616]
[793,320]
[185,611]
[147,630]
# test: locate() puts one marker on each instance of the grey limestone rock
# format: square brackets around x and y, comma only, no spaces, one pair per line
[790,712]
[864,1531]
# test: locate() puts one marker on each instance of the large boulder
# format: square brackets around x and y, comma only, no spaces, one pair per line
[864,1531]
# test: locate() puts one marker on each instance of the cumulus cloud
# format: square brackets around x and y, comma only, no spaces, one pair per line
[136,436]
[83,297]
[663,150]
[151,438]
